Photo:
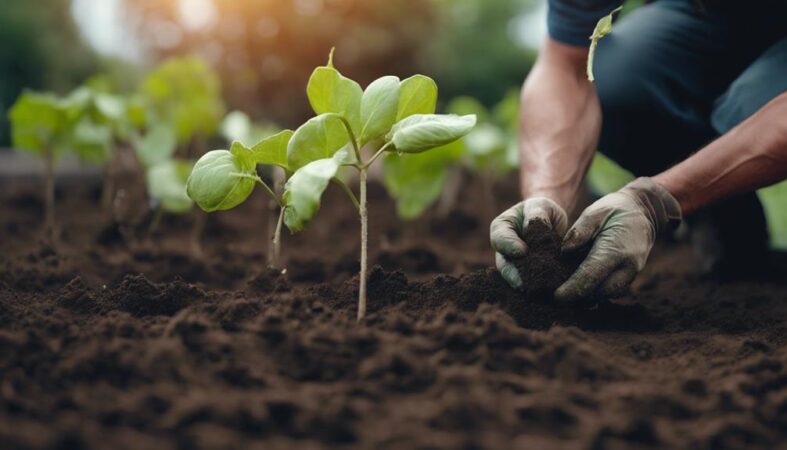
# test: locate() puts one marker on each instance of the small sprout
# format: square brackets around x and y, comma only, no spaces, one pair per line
[223,179]
[603,28]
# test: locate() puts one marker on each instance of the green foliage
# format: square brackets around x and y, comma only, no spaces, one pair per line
[395,116]
[272,151]
[156,146]
[321,137]
[222,179]
[186,93]
[605,176]
[38,121]
[238,126]
[773,199]
[416,181]
[304,189]
[422,132]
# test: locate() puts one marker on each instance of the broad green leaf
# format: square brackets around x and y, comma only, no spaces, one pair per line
[91,141]
[379,106]
[166,183]
[155,146]
[245,156]
[36,119]
[416,181]
[603,28]
[462,106]
[331,92]
[423,132]
[110,106]
[303,191]
[220,181]
[418,95]
[319,138]
[273,150]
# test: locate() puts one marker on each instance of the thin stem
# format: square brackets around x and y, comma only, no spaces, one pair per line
[196,234]
[348,191]
[264,185]
[156,220]
[354,141]
[364,256]
[277,239]
[49,195]
[376,155]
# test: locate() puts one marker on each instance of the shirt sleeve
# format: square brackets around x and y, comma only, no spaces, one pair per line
[572,21]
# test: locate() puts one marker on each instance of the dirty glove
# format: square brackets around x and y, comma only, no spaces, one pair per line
[507,230]
[622,228]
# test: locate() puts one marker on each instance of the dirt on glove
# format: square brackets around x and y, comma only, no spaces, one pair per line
[543,269]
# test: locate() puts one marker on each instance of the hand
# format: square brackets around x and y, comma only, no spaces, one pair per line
[622,227]
[507,229]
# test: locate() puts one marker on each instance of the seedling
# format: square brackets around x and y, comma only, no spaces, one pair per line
[390,117]
[49,126]
[223,179]
[603,28]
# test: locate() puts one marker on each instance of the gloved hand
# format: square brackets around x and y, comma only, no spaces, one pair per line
[622,227]
[507,230]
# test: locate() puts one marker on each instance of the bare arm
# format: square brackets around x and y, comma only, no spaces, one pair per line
[560,124]
[750,156]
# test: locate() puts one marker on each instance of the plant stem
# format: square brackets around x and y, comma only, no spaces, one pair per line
[155,221]
[196,233]
[354,141]
[277,239]
[348,191]
[364,238]
[376,155]
[49,195]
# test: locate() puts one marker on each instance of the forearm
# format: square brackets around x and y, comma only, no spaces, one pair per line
[750,156]
[560,123]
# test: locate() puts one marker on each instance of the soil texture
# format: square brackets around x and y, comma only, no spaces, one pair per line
[118,339]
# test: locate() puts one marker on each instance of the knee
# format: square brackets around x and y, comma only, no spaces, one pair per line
[760,83]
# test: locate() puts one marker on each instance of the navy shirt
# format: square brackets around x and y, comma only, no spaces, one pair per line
[572,21]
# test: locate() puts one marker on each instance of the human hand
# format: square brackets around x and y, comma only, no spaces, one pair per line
[622,227]
[507,230]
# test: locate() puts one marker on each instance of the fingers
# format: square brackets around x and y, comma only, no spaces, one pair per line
[505,233]
[547,211]
[618,283]
[584,230]
[508,271]
[591,273]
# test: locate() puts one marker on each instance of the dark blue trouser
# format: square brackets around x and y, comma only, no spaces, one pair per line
[671,79]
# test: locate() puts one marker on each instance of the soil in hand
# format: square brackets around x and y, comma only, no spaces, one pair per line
[543,269]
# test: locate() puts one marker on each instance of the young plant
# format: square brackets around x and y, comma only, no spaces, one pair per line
[223,179]
[390,116]
[49,126]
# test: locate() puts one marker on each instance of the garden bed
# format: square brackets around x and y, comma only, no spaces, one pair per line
[106,343]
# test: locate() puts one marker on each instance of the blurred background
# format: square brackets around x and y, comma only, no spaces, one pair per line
[256,56]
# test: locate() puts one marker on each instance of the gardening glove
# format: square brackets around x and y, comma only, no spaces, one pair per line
[622,228]
[507,230]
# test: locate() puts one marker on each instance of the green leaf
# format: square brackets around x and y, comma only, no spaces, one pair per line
[379,106]
[331,92]
[90,141]
[166,183]
[423,132]
[603,28]
[416,181]
[273,150]
[319,138]
[156,146]
[36,119]
[245,157]
[303,191]
[219,181]
[418,95]
[506,112]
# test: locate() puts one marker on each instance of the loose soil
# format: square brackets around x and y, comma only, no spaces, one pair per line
[116,340]
[543,269]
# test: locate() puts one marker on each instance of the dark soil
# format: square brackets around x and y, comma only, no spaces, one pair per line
[115,340]
[543,269]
